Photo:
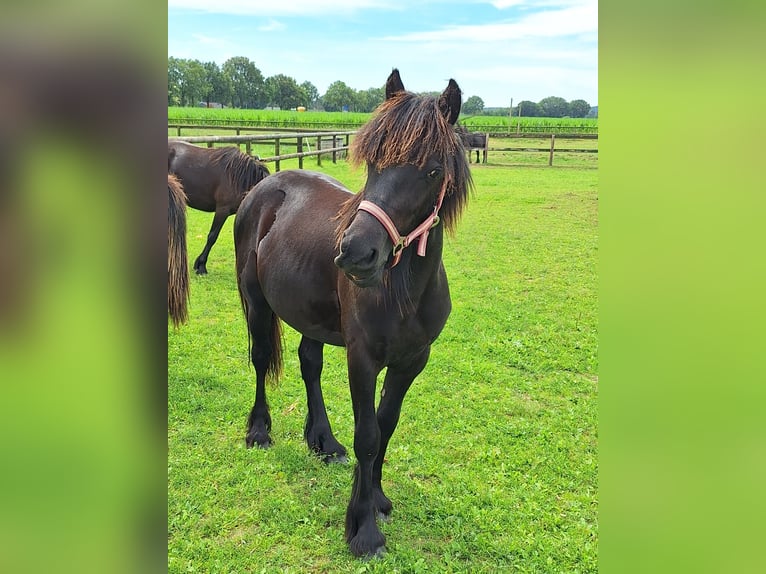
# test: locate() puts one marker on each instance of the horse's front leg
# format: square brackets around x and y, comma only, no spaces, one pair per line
[317,431]
[362,532]
[398,379]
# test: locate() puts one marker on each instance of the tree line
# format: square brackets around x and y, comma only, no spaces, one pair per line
[238,83]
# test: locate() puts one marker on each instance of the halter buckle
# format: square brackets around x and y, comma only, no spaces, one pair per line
[398,246]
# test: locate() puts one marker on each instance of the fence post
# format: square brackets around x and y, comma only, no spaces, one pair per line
[486,146]
[553,139]
[179,131]
[248,148]
[276,153]
[300,150]
[319,148]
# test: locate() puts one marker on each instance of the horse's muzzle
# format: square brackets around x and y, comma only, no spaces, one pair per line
[362,271]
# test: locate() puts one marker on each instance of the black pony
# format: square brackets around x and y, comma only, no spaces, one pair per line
[214,179]
[334,266]
[473,141]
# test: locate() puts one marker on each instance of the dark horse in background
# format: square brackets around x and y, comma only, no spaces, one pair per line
[214,179]
[178,266]
[472,141]
[335,267]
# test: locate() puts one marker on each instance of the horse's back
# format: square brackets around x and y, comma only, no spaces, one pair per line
[284,236]
[297,204]
[190,163]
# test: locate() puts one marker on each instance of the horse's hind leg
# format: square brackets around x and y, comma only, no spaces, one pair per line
[317,431]
[264,339]
[200,264]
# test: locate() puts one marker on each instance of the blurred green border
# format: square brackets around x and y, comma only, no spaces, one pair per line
[82,443]
[682,266]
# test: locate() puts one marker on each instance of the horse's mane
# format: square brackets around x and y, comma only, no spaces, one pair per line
[242,170]
[408,128]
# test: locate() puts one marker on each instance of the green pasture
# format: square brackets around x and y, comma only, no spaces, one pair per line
[353,120]
[493,467]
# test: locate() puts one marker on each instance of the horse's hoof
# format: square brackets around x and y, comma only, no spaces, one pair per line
[379,553]
[201,271]
[373,545]
[335,459]
[250,442]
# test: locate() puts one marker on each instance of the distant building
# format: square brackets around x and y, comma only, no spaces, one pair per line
[212,105]
[593,113]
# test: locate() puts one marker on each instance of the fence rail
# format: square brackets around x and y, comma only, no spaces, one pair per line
[336,143]
[322,140]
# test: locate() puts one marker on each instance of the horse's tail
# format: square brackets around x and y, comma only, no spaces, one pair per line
[178,266]
[274,368]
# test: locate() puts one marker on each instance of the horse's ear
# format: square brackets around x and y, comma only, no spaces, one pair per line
[394,84]
[450,102]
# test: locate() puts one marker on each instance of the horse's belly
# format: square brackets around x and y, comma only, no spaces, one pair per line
[300,288]
[315,318]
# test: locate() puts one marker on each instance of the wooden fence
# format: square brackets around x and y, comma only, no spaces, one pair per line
[327,143]
[336,144]
[552,148]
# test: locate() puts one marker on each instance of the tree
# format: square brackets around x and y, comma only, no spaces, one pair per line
[192,85]
[219,83]
[174,81]
[579,108]
[473,105]
[370,99]
[338,96]
[282,91]
[240,83]
[310,95]
[554,107]
[246,82]
[528,109]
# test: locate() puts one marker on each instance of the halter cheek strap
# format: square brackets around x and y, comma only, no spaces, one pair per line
[420,232]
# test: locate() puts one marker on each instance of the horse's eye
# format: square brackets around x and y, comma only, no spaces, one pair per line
[434,173]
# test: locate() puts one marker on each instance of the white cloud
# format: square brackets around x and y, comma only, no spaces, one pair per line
[271,26]
[288,7]
[503,4]
[571,21]
[210,41]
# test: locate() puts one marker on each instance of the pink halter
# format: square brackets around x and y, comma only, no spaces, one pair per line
[402,241]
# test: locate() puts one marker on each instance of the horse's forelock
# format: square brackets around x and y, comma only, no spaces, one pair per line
[409,129]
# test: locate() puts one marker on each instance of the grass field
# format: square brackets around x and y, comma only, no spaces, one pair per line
[352,120]
[493,467]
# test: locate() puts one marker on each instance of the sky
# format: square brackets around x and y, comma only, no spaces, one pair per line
[498,50]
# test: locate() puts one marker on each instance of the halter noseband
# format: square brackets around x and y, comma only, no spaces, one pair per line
[402,241]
